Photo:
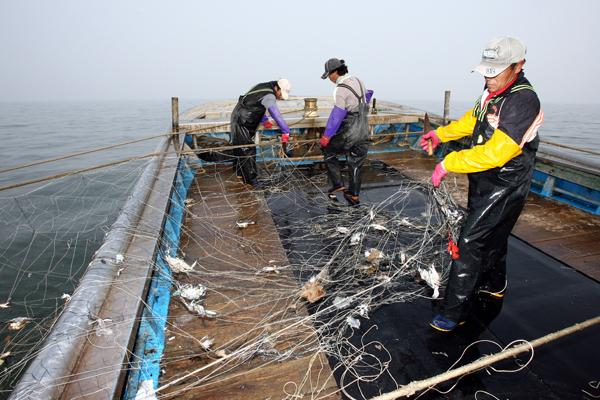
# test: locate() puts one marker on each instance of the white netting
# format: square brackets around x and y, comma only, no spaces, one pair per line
[340,263]
[48,235]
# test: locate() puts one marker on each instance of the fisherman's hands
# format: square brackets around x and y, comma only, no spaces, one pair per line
[285,137]
[268,124]
[435,140]
[438,173]
[325,140]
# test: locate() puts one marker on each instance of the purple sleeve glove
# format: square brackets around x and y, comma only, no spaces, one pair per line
[435,140]
[334,121]
[438,173]
[265,121]
[276,115]
[368,96]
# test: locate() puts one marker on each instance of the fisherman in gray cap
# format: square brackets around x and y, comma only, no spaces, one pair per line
[503,127]
[347,130]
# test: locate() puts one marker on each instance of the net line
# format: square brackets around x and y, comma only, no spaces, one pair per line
[406,246]
[63,222]
[49,235]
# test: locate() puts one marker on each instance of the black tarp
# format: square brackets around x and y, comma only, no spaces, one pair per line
[543,296]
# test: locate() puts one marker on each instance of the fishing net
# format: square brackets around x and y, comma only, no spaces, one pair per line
[307,289]
[281,292]
[288,274]
[48,236]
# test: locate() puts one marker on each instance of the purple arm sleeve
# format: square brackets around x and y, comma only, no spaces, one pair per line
[264,118]
[334,121]
[369,95]
[276,115]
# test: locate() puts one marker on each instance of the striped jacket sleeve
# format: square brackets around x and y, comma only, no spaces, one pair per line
[516,124]
[494,153]
[457,129]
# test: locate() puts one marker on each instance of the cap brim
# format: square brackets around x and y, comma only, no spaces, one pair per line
[285,95]
[325,75]
[490,70]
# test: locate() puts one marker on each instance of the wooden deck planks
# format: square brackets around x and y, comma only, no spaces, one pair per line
[257,380]
[562,231]
[249,305]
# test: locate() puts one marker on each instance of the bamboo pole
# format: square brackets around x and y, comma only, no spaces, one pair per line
[413,387]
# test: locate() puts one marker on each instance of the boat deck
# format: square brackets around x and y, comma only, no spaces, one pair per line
[244,295]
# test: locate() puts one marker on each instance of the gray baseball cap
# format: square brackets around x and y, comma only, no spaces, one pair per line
[331,65]
[499,54]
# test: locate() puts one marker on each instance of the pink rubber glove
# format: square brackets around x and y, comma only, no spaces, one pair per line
[325,140]
[285,137]
[438,173]
[268,124]
[435,140]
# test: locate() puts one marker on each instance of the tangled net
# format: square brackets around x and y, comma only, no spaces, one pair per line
[355,260]
[340,265]
[343,264]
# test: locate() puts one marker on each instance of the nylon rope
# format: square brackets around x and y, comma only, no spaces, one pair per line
[193,151]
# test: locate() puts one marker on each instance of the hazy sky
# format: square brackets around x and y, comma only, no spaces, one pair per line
[113,50]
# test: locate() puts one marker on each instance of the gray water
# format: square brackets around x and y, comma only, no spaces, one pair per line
[49,231]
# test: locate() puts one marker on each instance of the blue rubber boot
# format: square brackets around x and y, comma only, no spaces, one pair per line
[444,325]
[256,184]
[337,188]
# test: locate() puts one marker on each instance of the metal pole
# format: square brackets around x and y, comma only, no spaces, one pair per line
[446,107]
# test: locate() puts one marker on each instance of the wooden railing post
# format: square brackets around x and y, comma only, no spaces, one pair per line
[446,107]
[175,113]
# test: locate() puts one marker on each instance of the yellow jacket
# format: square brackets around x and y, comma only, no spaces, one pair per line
[494,153]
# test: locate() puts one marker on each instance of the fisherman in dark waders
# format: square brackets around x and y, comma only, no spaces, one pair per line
[347,130]
[245,119]
[503,126]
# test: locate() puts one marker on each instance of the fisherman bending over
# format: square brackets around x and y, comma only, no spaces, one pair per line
[245,118]
[503,126]
[347,130]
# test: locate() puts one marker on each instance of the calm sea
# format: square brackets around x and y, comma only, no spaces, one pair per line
[49,231]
